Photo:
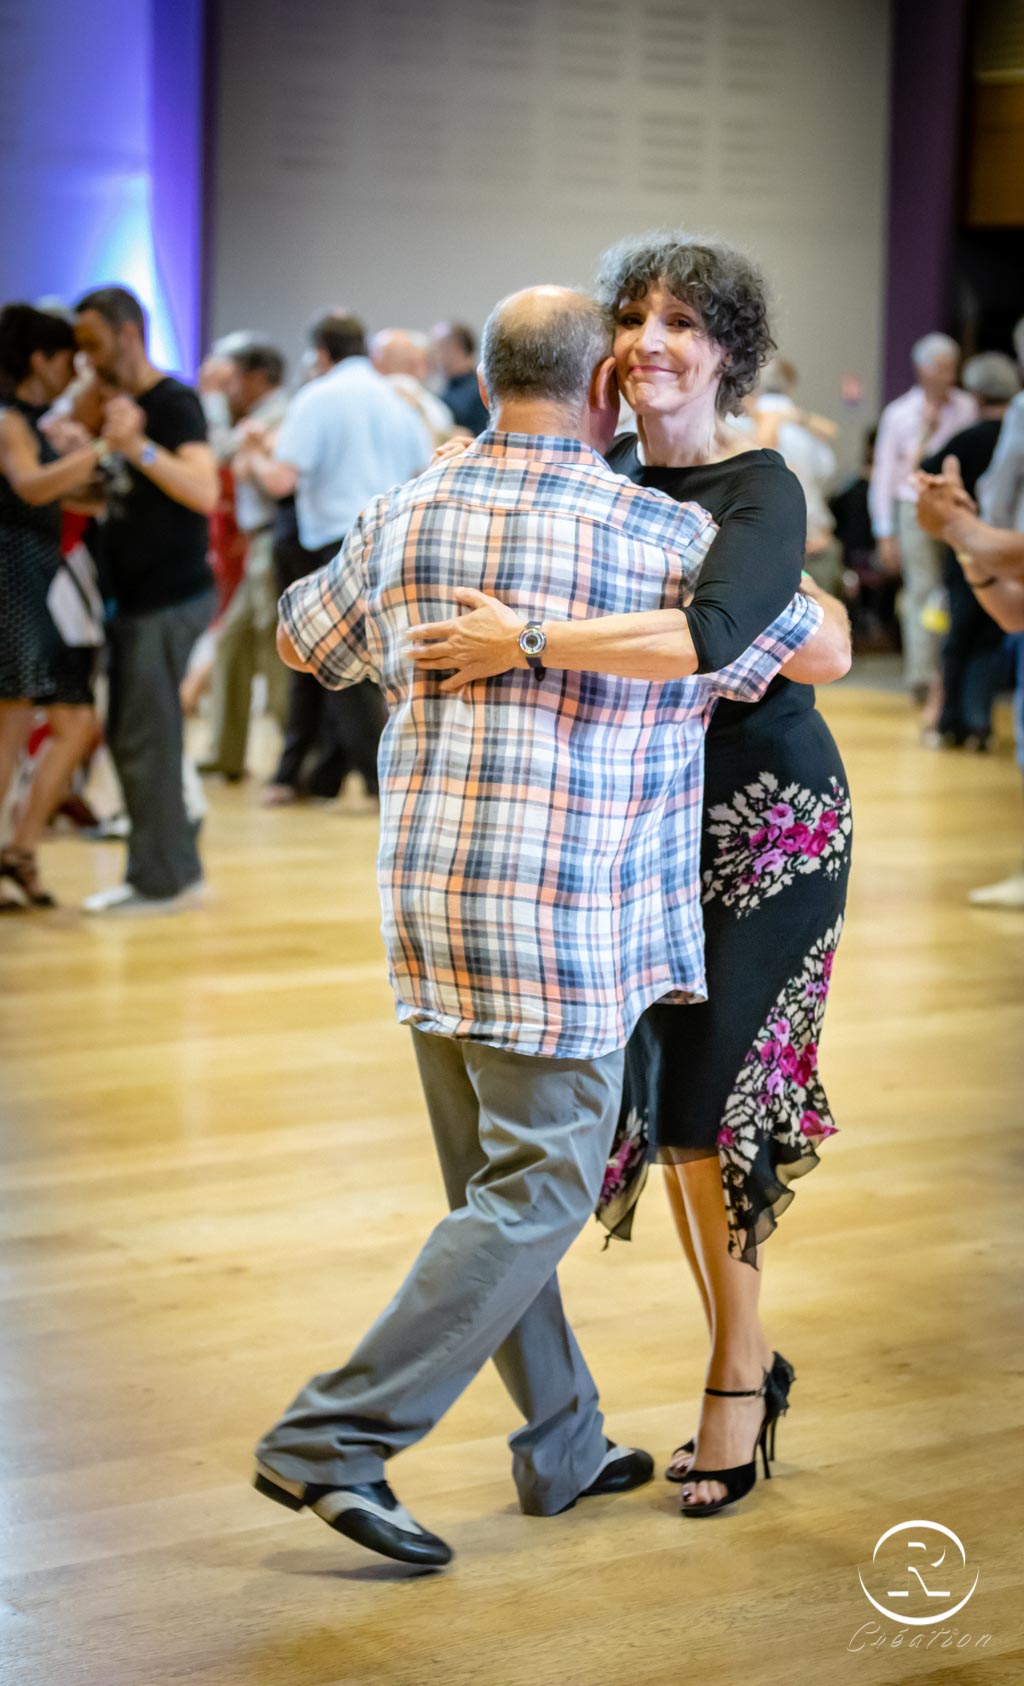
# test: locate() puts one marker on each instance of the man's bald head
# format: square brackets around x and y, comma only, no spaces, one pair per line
[544,343]
[398,351]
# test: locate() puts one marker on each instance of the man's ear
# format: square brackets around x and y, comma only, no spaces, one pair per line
[482,388]
[604,387]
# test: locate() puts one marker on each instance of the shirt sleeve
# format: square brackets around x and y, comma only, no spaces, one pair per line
[747,679]
[753,566]
[325,614]
[1001,489]
[298,442]
[882,495]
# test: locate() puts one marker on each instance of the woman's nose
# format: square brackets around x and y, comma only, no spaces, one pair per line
[650,337]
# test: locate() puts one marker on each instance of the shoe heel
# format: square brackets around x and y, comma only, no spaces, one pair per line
[280,1495]
[763,1443]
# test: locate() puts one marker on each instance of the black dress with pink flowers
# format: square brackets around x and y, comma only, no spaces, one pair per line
[737,1076]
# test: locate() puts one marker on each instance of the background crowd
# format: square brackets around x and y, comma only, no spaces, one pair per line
[147,530]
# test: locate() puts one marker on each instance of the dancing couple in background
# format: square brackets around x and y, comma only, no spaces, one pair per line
[542,871]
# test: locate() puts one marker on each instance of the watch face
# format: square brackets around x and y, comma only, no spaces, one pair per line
[532,641]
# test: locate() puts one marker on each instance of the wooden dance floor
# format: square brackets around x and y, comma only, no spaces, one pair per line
[217,1169]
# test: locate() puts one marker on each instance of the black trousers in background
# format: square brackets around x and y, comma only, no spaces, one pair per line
[327,734]
[145,730]
[972,660]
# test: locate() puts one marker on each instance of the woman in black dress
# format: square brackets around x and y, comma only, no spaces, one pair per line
[726,1094]
[37,669]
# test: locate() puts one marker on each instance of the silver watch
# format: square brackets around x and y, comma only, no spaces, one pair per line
[533,642]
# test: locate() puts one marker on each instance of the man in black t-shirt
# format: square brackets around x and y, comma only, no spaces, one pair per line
[161,488]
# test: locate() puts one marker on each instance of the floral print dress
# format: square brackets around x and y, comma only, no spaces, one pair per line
[737,1076]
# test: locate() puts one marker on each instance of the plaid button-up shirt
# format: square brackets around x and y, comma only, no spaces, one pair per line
[540,841]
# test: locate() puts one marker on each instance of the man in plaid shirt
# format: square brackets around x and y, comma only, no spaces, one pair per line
[539,874]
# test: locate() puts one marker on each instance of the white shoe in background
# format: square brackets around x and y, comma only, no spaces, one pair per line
[126,901]
[1008,893]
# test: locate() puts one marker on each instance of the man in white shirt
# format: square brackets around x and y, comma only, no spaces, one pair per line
[347,437]
[915,426]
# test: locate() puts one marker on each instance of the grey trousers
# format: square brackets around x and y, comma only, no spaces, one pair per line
[145,731]
[523,1144]
[922,575]
[247,645]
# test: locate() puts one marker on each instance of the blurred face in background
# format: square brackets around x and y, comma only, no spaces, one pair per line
[243,388]
[663,359]
[938,377]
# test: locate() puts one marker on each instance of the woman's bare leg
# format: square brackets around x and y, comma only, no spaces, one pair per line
[73,729]
[680,1462]
[15,721]
[740,1354]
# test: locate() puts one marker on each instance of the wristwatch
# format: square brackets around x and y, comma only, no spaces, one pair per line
[533,642]
[147,456]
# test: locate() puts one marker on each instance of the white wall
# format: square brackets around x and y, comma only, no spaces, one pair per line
[413,159]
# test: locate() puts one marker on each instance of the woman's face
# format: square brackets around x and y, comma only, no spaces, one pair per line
[55,371]
[663,359]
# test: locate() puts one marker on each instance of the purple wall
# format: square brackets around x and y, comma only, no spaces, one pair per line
[101,158]
[928,43]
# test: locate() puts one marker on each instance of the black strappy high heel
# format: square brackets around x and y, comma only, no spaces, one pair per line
[19,865]
[741,1478]
[781,1377]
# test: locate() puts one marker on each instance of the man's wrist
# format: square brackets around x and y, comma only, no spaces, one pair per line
[958,530]
[142,452]
[516,653]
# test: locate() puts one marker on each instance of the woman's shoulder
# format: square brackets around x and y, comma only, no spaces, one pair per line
[761,478]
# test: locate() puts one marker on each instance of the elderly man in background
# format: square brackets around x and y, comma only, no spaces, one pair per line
[403,358]
[912,427]
[347,436]
[990,547]
[972,654]
[255,401]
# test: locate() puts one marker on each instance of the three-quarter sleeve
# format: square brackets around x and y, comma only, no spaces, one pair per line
[753,568]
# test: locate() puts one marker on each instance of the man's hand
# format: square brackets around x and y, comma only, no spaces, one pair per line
[124,425]
[941,498]
[478,644]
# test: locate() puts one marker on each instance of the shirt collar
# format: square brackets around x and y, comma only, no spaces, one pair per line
[542,447]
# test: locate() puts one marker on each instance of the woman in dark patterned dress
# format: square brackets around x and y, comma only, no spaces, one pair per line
[37,669]
[726,1094]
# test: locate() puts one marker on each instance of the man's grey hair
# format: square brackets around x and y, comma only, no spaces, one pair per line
[229,345]
[992,377]
[1018,341]
[548,352]
[932,346]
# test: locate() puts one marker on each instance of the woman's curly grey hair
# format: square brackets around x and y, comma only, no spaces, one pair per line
[726,289]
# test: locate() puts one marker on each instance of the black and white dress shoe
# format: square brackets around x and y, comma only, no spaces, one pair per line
[370,1514]
[622,1468]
